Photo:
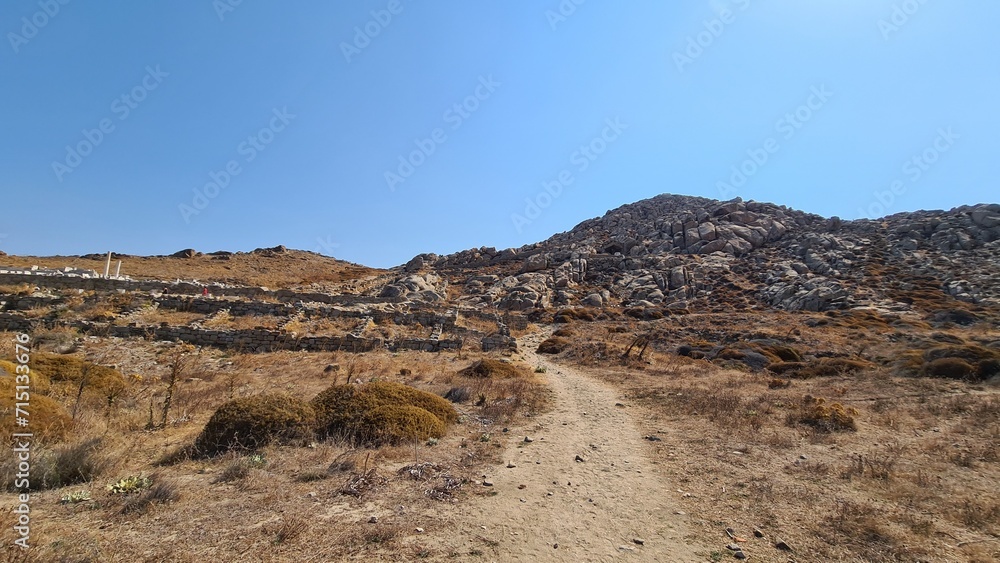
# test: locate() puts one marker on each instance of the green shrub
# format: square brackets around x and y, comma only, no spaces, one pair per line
[370,414]
[130,485]
[253,422]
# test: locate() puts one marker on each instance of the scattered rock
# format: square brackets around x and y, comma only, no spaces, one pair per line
[579,459]
[782,545]
[639,541]
[373,520]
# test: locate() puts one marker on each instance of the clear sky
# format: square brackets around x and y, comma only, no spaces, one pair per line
[373,131]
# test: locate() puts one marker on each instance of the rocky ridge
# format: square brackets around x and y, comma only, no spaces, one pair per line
[673,253]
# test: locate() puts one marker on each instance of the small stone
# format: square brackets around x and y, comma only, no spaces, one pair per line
[579,459]
[310,495]
[511,465]
[506,430]
[783,546]
[652,438]
[734,547]
[528,440]
[680,513]
[555,546]
[803,457]
[619,405]
[373,520]
[487,483]
[740,555]
[625,548]
[549,494]
[523,500]
[419,530]
[521,486]
[639,541]
[757,533]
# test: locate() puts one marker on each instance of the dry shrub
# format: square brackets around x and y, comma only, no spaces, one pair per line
[980,514]
[290,528]
[969,353]
[72,464]
[74,370]
[988,368]
[491,368]
[381,412]
[565,332]
[860,527]
[950,368]
[162,491]
[250,423]
[554,345]
[49,420]
[390,425]
[570,315]
[778,383]
[824,367]
[827,417]
[782,367]
[778,353]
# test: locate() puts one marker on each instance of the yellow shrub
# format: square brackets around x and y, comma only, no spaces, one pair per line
[349,410]
[47,419]
[253,422]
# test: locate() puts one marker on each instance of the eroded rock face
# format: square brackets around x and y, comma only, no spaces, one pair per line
[677,251]
[426,288]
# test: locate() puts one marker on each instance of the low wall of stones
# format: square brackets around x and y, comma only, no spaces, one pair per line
[187,288]
[252,340]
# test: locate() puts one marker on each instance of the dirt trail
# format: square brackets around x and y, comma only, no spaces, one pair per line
[592,510]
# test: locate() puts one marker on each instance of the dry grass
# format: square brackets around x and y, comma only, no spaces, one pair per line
[288,269]
[915,472]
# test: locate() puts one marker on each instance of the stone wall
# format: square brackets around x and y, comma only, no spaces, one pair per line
[252,340]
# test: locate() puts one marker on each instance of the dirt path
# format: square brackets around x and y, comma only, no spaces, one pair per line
[568,510]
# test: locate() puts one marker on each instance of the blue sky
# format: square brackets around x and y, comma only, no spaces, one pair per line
[377,130]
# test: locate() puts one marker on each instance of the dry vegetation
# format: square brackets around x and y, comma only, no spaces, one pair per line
[845,438]
[195,441]
[272,270]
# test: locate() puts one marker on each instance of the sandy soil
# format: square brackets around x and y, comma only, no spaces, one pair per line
[612,506]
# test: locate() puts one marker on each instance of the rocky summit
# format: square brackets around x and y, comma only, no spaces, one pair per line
[675,253]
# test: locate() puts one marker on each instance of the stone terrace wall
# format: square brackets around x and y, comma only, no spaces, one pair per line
[187,288]
[252,340]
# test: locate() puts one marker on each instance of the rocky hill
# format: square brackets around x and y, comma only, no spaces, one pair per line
[676,253]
